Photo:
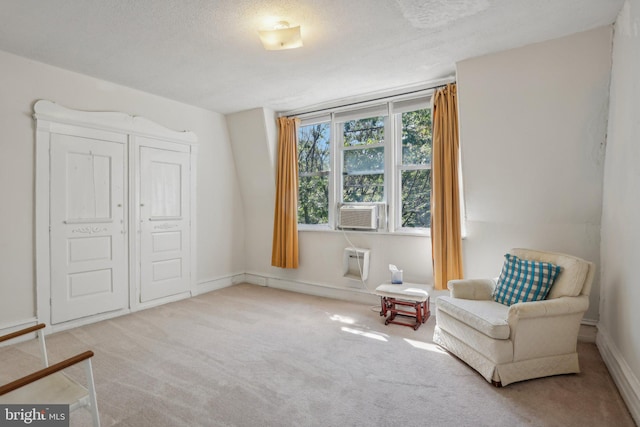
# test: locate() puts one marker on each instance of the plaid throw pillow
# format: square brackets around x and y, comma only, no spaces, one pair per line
[522,280]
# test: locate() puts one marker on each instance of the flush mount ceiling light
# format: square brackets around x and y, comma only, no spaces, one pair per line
[282,36]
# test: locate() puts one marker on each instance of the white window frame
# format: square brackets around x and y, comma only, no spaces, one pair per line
[396,217]
[341,149]
[391,109]
[330,225]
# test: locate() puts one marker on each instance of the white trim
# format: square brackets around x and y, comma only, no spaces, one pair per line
[109,315]
[255,279]
[134,214]
[587,333]
[371,98]
[209,285]
[314,227]
[161,301]
[43,264]
[10,327]
[415,232]
[622,375]
[356,295]
[110,121]
[16,325]
[58,327]
[311,288]
[335,165]
[193,209]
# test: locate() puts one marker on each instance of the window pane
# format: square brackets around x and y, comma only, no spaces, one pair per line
[363,188]
[363,168]
[364,161]
[313,148]
[313,199]
[416,137]
[313,177]
[364,131]
[416,198]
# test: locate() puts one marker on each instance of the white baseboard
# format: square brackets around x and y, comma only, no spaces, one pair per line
[623,376]
[10,327]
[255,279]
[219,283]
[317,289]
[587,333]
[59,327]
[161,301]
[7,328]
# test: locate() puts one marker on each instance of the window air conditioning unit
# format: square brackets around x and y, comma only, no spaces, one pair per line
[358,217]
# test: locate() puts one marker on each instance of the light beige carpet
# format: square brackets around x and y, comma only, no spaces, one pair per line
[254,356]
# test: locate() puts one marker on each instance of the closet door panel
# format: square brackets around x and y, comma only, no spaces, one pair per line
[164,223]
[87,222]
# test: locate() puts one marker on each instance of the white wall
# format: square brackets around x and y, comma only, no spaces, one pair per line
[22,82]
[533,123]
[255,155]
[532,128]
[618,333]
[254,140]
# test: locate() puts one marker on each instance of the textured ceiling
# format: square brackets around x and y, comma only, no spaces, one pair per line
[207,52]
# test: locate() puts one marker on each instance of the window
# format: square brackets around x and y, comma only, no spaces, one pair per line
[363,160]
[313,173]
[415,168]
[377,154]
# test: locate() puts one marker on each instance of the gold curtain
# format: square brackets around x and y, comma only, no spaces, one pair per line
[446,234]
[285,223]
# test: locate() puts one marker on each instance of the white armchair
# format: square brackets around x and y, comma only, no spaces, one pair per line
[526,340]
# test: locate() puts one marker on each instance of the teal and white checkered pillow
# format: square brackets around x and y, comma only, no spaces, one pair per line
[522,280]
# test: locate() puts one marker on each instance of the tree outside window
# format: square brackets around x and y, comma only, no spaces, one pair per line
[313,173]
[415,168]
[363,160]
[374,154]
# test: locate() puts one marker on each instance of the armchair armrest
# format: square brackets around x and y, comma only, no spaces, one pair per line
[547,308]
[21,382]
[475,289]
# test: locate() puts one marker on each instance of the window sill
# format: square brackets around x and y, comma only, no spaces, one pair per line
[402,232]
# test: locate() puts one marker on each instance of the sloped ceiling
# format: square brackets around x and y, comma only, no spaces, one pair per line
[207,52]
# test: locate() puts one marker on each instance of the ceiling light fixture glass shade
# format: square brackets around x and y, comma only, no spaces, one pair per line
[281,37]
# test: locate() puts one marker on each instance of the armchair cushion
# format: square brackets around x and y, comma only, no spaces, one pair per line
[524,280]
[480,289]
[482,315]
[574,272]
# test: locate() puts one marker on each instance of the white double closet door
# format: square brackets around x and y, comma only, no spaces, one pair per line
[98,262]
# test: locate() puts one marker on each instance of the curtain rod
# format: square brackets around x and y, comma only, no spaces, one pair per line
[368,101]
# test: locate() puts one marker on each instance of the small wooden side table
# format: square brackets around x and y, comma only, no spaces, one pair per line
[404,295]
